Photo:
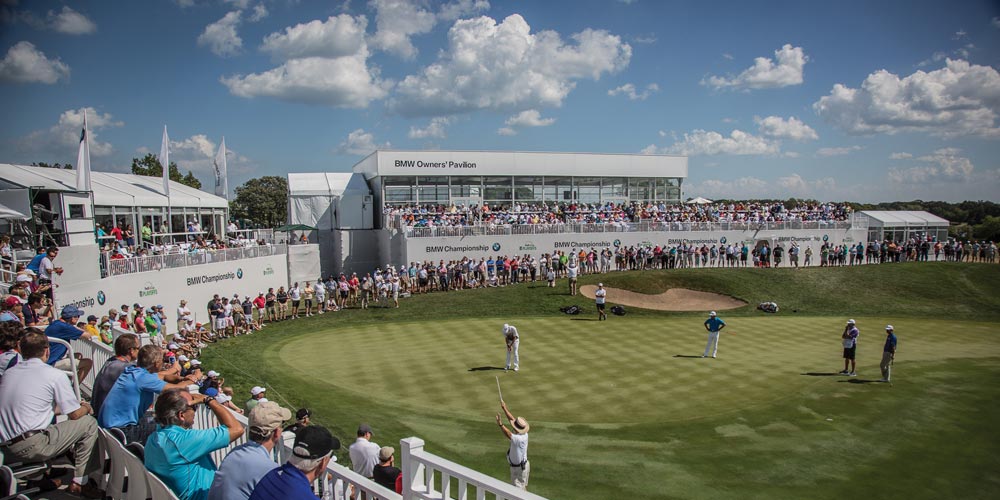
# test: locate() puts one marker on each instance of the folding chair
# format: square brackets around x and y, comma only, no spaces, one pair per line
[157,489]
[116,486]
[8,486]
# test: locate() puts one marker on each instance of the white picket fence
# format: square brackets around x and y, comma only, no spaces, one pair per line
[425,476]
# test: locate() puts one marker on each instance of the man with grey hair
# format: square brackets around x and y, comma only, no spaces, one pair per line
[311,453]
[246,464]
[180,455]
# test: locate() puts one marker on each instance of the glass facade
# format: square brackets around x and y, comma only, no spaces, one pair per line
[507,190]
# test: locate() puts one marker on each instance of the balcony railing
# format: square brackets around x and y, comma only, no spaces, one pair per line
[621,227]
[129,265]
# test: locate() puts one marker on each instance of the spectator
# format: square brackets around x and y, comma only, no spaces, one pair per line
[246,464]
[364,453]
[10,336]
[180,455]
[257,396]
[386,473]
[301,420]
[65,329]
[28,394]
[311,454]
[132,394]
[126,352]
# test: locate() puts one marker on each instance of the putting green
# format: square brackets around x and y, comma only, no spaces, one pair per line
[575,370]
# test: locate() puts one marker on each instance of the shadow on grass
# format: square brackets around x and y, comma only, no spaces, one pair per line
[485,368]
[578,319]
[821,374]
[688,356]
[859,381]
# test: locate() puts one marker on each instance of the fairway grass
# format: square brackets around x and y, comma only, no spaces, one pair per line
[622,407]
[627,408]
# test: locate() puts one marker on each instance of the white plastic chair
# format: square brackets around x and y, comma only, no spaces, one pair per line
[157,489]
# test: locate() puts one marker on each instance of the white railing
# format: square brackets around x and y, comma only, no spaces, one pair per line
[619,227]
[116,267]
[97,351]
[422,471]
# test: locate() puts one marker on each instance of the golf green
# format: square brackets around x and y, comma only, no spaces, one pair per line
[627,408]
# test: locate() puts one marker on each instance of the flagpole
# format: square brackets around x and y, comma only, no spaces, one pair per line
[165,163]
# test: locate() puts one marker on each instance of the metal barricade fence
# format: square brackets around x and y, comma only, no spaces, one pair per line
[129,265]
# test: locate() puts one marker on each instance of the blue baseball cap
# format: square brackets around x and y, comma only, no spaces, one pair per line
[71,311]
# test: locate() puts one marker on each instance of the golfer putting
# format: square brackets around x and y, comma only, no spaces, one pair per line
[714,325]
[513,341]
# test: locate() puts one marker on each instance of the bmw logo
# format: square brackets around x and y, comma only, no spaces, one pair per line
[239,273]
[617,243]
[496,247]
[826,238]
[722,240]
[101,298]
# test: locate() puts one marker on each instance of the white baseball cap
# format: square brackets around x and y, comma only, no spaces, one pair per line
[850,322]
[712,314]
[182,358]
[506,328]
[223,399]
[195,362]
[888,327]
[213,373]
[257,390]
[600,284]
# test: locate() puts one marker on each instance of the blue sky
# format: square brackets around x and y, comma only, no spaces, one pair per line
[851,100]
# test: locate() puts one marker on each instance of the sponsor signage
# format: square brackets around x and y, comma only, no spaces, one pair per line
[205,279]
[434,164]
[148,290]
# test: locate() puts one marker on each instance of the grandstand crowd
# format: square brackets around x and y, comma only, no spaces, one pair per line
[121,241]
[430,215]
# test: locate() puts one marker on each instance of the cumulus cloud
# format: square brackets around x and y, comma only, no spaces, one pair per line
[26,64]
[827,152]
[741,188]
[63,138]
[796,185]
[360,142]
[944,164]
[221,37]
[325,63]
[524,119]
[900,156]
[647,39]
[259,13]
[503,66]
[338,36]
[197,154]
[628,90]
[396,21]
[961,99]
[435,129]
[784,70]
[792,128]
[705,142]
[70,22]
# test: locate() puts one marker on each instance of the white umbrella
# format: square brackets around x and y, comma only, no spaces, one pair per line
[700,201]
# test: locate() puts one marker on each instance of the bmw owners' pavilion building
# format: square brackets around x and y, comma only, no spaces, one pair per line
[356,229]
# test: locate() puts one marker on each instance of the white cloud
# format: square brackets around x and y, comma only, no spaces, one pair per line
[960,35]
[628,90]
[26,64]
[728,56]
[461,8]
[960,99]
[504,66]
[259,12]
[70,22]
[63,138]
[360,142]
[239,4]
[647,39]
[221,37]
[704,142]
[900,156]
[662,133]
[338,36]
[396,21]
[198,144]
[827,152]
[796,185]
[524,119]
[944,164]
[185,3]
[435,129]
[792,128]
[327,63]
[784,70]
[790,154]
[995,22]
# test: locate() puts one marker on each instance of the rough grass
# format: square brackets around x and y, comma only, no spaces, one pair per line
[619,411]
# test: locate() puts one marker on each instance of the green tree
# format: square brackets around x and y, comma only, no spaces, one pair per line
[68,166]
[263,200]
[150,166]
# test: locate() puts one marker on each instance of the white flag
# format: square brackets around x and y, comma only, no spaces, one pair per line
[221,178]
[165,162]
[83,159]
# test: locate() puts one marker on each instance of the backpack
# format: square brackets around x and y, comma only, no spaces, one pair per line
[618,311]
[570,309]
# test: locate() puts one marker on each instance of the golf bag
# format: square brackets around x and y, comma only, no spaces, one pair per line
[768,307]
[570,309]
[618,311]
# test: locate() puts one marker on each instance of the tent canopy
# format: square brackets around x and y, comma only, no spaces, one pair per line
[294,227]
[699,201]
[9,213]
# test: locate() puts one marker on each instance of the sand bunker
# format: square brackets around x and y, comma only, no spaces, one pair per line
[675,299]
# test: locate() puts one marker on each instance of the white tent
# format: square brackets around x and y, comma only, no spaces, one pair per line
[699,201]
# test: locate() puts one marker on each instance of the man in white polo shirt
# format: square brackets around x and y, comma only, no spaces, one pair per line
[364,453]
[513,341]
[28,394]
[600,295]
[517,454]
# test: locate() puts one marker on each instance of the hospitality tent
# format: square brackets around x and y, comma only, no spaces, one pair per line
[901,225]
